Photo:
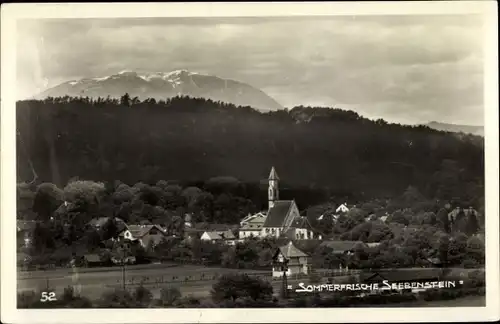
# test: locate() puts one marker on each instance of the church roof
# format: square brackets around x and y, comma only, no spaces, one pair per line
[302,222]
[291,251]
[277,214]
[273,175]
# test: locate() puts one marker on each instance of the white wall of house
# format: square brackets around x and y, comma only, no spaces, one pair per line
[128,235]
[277,273]
[248,234]
[205,237]
[301,234]
[342,209]
[293,270]
[270,232]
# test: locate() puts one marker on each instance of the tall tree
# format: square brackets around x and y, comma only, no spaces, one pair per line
[47,199]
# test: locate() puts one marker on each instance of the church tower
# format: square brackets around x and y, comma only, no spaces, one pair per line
[273,191]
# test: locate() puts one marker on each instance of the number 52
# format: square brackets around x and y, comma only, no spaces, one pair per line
[48,296]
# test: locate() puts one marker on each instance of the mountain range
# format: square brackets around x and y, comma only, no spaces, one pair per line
[163,85]
[467,129]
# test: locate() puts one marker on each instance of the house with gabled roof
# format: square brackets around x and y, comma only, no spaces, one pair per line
[342,208]
[296,261]
[252,225]
[144,234]
[226,237]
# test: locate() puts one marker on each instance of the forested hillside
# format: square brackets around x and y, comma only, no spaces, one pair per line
[334,151]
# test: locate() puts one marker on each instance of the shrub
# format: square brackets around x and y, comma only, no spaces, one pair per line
[117,298]
[169,295]
[26,299]
[142,296]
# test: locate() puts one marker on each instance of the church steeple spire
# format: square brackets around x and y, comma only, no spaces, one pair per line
[273,175]
[273,192]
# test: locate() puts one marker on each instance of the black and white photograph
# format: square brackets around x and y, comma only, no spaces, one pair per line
[249,160]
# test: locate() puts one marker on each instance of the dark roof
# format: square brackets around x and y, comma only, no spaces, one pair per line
[193,233]
[291,251]
[341,246]
[138,231]
[402,275]
[251,227]
[307,246]
[277,214]
[194,230]
[152,239]
[273,175]
[301,222]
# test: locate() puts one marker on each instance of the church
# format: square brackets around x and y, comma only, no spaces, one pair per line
[282,219]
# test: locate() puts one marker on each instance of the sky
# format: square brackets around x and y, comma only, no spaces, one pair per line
[406,69]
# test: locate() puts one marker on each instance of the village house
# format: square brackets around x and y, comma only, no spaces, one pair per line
[334,217]
[188,221]
[290,260]
[146,235]
[384,218]
[251,225]
[226,237]
[342,208]
[452,216]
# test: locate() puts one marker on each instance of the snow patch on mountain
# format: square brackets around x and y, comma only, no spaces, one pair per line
[162,85]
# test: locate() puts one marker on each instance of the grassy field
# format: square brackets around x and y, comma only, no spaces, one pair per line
[190,279]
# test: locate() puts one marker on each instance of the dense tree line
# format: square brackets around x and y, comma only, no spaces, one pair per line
[335,152]
[414,230]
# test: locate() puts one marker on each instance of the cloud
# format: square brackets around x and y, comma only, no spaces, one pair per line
[396,67]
